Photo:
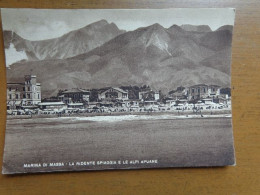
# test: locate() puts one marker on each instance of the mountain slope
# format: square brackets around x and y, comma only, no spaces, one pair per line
[217,40]
[71,44]
[199,28]
[155,56]
[219,59]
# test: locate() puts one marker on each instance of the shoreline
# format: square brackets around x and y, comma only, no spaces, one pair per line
[175,114]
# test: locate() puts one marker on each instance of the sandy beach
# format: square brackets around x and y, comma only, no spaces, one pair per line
[68,143]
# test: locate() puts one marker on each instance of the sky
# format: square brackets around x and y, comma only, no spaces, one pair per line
[40,24]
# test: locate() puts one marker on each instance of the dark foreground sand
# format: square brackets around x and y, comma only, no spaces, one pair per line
[90,145]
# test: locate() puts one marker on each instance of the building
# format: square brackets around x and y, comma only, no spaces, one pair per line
[52,105]
[207,100]
[23,94]
[15,94]
[149,95]
[200,91]
[32,90]
[112,93]
[150,103]
[76,106]
[214,90]
[75,95]
[170,102]
[128,103]
[222,99]
[196,92]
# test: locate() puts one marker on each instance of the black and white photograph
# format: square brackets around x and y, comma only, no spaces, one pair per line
[99,89]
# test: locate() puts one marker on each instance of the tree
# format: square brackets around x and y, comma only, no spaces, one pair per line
[93,95]
[226,91]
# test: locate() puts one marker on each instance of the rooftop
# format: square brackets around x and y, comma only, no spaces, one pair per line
[75,90]
[115,88]
[50,103]
[15,83]
[199,85]
[75,104]
[214,86]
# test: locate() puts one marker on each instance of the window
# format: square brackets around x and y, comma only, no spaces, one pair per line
[204,89]
[213,89]
[23,88]
[28,95]
[24,96]
[10,96]
[28,88]
[111,94]
[198,90]
[17,96]
[10,89]
[38,96]
[192,90]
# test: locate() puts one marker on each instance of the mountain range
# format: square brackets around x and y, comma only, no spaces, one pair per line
[163,58]
[70,44]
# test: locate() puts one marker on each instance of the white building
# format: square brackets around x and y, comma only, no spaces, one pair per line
[27,94]
[196,92]
[32,90]
[112,93]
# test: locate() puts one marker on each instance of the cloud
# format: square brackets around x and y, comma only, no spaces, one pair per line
[12,56]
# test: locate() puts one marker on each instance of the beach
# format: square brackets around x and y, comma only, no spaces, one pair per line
[167,139]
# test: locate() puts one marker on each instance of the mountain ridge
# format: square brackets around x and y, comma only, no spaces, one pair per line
[70,44]
[156,56]
[197,28]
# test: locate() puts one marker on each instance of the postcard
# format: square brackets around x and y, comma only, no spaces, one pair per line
[98,89]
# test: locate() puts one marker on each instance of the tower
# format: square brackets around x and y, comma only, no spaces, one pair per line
[32,90]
